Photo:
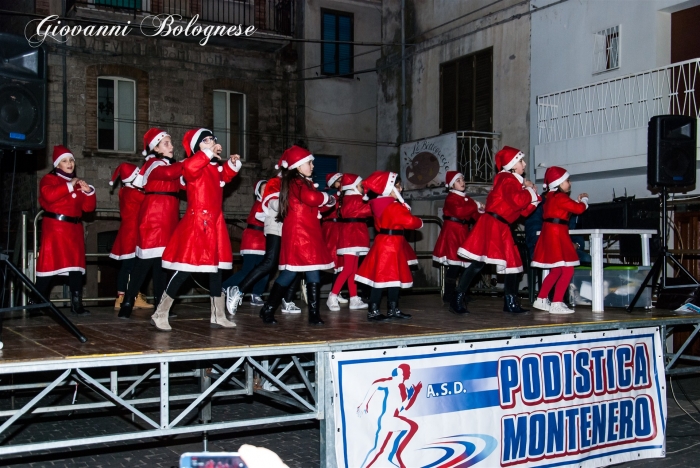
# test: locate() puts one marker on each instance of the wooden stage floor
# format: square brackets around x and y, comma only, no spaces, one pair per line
[40,338]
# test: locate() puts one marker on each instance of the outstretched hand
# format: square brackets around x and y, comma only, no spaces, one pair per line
[582,196]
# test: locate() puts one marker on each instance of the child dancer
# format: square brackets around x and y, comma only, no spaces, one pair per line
[353,241]
[200,242]
[299,204]
[554,249]
[387,263]
[331,229]
[252,247]
[124,248]
[64,198]
[158,215]
[491,240]
[457,211]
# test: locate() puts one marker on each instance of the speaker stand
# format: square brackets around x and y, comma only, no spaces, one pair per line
[57,314]
[659,266]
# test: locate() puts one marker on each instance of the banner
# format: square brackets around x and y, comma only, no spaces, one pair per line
[583,400]
[424,163]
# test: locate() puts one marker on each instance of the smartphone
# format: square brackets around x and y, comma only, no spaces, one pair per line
[211,460]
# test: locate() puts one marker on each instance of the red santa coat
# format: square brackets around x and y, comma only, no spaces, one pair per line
[301,230]
[253,239]
[159,214]
[130,200]
[454,233]
[331,234]
[386,264]
[62,243]
[201,242]
[353,238]
[378,205]
[491,240]
[554,247]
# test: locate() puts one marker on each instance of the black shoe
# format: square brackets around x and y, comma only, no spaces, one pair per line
[373,314]
[313,291]
[126,308]
[76,303]
[395,313]
[457,304]
[510,305]
[267,313]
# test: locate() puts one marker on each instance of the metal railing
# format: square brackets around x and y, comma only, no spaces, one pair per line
[475,152]
[276,16]
[619,103]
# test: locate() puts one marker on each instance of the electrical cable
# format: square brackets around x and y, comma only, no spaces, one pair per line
[670,382]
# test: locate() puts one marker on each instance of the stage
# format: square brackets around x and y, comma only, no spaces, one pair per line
[171,383]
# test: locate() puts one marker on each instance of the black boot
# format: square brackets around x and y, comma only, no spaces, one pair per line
[126,308]
[449,291]
[395,313]
[267,313]
[510,305]
[313,291]
[76,303]
[373,314]
[457,303]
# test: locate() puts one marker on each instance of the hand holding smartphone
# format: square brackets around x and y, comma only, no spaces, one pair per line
[211,460]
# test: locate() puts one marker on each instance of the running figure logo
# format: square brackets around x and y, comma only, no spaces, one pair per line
[397,398]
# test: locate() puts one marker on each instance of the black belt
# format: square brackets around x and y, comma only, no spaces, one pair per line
[330,220]
[254,227]
[391,232]
[455,220]
[557,221]
[172,194]
[498,217]
[60,217]
[353,220]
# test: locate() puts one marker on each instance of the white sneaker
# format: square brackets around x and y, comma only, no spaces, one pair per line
[342,300]
[356,303]
[1,345]
[332,302]
[290,308]
[542,304]
[559,308]
[234,298]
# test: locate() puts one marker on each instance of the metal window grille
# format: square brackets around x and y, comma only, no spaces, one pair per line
[230,122]
[606,54]
[116,114]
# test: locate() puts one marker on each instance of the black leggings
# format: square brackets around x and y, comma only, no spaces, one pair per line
[453,272]
[139,273]
[267,266]
[75,283]
[392,295]
[180,277]
[125,269]
[510,283]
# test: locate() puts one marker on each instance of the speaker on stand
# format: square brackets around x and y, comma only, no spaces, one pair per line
[671,155]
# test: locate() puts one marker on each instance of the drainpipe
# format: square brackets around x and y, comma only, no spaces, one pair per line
[403,72]
[65,86]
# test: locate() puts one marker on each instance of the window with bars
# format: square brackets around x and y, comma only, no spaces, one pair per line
[336,58]
[606,52]
[116,114]
[230,122]
[466,93]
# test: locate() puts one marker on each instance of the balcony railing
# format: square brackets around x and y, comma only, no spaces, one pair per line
[620,103]
[475,151]
[275,16]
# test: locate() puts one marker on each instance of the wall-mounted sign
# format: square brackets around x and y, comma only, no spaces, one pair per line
[425,162]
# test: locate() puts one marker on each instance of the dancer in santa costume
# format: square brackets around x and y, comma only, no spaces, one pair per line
[331,229]
[491,240]
[273,243]
[387,263]
[353,239]
[157,217]
[457,212]
[124,248]
[64,198]
[200,242]
[554,250]
[299,204]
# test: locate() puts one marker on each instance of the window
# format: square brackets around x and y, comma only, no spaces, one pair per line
[323,165]
[230,121]
[336,58]
[466,93]
[606,53]
[130,4]
[116,114]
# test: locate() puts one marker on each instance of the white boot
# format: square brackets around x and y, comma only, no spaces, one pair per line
[542,304]
[342,300]
[559,308]
[290,308]
[356,303]
[332,302]
[234,298]
[218,313]
[160,317]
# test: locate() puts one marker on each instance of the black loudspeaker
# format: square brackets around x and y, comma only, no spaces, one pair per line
[22,94]
[671,151]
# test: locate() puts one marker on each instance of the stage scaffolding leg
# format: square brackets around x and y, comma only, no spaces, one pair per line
[164,395]
[325,404]
[597,272]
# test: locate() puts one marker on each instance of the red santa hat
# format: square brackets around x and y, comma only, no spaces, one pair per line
[332,177]
[127,172]
[151,139]
[258,184]
[554,177]
[451,176]
[382,183]
[295,156]
[350,182]
[508,157]
[60,153]
[193,138]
